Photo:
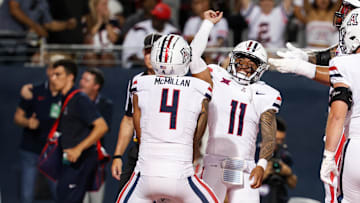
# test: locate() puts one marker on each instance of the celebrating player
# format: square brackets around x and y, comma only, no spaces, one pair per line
[345,111]
[240,103]
[170,115]
[296,60]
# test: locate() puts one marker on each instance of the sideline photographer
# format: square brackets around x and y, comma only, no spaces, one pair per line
[278,173]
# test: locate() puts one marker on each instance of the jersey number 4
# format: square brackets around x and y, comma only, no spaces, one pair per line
[172,109]
[234,105]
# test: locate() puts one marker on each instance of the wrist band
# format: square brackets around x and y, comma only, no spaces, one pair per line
[117,157]
[262,163]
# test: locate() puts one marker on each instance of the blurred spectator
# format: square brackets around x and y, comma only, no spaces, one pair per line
[101,32]
[140,15]
[237,21]
[31,18]
[218,35]
[318,20]
[80,127]
[132,55]
[116,12]
[91,83]
[267,22]
[278,174]
[62,10]
[36,113]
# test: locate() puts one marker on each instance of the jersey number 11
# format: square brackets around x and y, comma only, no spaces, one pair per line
[234,105]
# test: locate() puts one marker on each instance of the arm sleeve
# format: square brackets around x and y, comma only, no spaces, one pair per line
[198,46]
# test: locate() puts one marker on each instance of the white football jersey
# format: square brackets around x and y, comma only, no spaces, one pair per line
[170,108]
[134,40]
[267,29]
[234,114]
[344,69]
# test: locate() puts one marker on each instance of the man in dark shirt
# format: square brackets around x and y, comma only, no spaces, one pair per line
[91,83]
[80,127]
[36,115]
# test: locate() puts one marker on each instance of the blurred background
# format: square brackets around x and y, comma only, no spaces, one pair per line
[109,34]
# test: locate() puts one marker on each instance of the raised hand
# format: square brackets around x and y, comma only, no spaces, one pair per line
[213,16]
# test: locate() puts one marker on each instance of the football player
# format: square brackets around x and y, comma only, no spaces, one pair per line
[240,103]
[315,65]
[170,115]
[345,111]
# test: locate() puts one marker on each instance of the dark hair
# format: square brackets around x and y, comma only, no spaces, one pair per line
[281,125]
[150,39]
[99,76]
[69,66]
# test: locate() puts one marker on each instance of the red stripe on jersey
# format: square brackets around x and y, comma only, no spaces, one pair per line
[278,98]
[210,89]
[123,190]
[332,68]
[167,48]
[207,189]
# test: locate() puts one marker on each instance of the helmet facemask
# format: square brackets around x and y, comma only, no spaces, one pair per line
[339,16]
[246,71]
[349,35]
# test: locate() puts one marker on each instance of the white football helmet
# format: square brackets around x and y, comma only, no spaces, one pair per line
[256,52]
[170,56]
[350,32]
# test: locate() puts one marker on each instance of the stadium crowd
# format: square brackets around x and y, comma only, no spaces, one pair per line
[126,31]
[114,29]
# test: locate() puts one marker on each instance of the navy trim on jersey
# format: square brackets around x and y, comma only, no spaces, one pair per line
[197,191]
[335,75]
[207,96]
[132,189]
[342,169]
[276,105]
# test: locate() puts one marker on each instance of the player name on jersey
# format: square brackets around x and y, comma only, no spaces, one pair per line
[172,81]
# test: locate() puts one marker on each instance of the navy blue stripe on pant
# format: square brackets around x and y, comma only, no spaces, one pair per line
[342,171]
[197,191]
[132,189]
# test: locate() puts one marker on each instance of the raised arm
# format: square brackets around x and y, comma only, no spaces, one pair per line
[295,60]
[198,67]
